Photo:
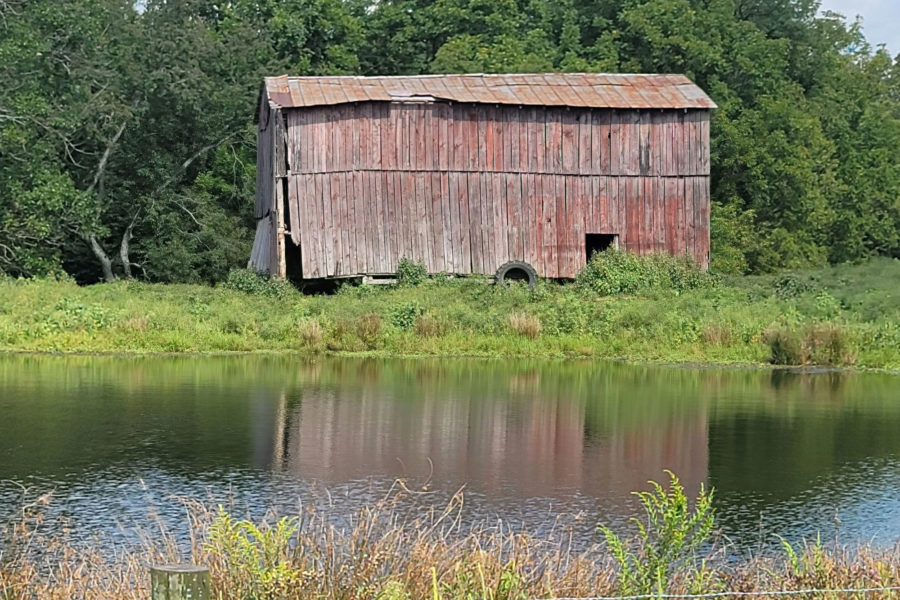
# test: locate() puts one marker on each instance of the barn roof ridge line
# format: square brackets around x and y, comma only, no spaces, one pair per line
[579,90]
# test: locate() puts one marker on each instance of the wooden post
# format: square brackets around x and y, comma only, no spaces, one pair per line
[180,582]
[280,260]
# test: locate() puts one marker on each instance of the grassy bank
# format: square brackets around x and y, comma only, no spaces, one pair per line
[379,554]
[844,316]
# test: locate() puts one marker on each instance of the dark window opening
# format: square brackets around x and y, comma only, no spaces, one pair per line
[598,242]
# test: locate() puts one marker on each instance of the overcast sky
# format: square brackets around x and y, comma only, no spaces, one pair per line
[881,19]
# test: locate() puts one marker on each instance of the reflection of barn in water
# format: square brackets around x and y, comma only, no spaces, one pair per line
[512,438]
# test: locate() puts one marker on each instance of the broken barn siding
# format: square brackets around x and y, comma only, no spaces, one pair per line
[263,255]
[465,187]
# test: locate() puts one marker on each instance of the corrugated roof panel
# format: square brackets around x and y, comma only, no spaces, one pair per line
[593,90]
[691,92]
[368,90]
[479,92]
[617,94]
[651,95]
[503,92]
[312,90]
[416,87]
[333,92]
[581,87]
[669,94]
[295,92]
[280,92]
[440,88]
[522,90]
[545,88]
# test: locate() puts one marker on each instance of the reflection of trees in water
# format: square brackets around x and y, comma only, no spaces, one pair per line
[805,424]
[587,425]
[820,381]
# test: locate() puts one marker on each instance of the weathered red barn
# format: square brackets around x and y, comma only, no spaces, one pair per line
[468,172]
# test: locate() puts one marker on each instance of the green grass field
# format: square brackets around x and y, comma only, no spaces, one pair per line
[842,316]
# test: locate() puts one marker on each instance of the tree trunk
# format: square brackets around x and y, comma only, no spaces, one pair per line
[105,262]
[123,251]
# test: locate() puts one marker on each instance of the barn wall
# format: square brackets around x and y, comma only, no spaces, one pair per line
[267,255]
[264,243]
[465,188]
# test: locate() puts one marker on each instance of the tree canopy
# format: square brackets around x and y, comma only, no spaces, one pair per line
[127,145]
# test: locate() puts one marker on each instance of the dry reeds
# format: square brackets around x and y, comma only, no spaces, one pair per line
[428,325]
[368,329]
[716,334]
[311,332]
[525,325]
[381,554]
[821,344]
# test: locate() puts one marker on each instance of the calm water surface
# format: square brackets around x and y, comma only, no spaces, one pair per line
[533,443]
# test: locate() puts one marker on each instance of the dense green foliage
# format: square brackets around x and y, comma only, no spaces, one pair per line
[847,315]
[615,272]
[127,143]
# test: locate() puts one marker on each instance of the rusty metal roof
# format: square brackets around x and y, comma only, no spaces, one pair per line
[592,90]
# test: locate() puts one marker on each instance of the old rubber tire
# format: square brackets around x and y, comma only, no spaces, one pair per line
[517,270]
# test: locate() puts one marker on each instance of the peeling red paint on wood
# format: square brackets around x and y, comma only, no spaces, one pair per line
[465,188]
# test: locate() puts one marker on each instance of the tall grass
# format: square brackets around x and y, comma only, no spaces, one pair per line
[657,309]
[379,554]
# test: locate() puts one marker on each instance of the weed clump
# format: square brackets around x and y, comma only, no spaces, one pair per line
[411,272]
[251,282]
[667,546]
[254,561]
[311,332]
[428,325]
[525,325]
[404,316]
[791,285]
[613,272]
[716,334]
[368,328]
[821,344]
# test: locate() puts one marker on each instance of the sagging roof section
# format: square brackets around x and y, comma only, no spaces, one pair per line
[589,90]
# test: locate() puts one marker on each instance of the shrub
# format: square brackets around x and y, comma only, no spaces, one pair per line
[410,272]
[667,543]
[405,315]
[791,285]
[368,328]
[251,282]
[254,561]
[616,272]
[525,325]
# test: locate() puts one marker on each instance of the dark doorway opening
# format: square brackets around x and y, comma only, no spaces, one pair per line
[292,260]
[598,242]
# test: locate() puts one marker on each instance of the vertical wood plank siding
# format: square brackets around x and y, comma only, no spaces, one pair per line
[263,256]
[465,188]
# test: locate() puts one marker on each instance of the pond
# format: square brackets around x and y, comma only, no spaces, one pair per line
[535,443]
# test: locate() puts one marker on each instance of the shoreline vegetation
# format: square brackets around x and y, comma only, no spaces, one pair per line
[644,309]
[385,553]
